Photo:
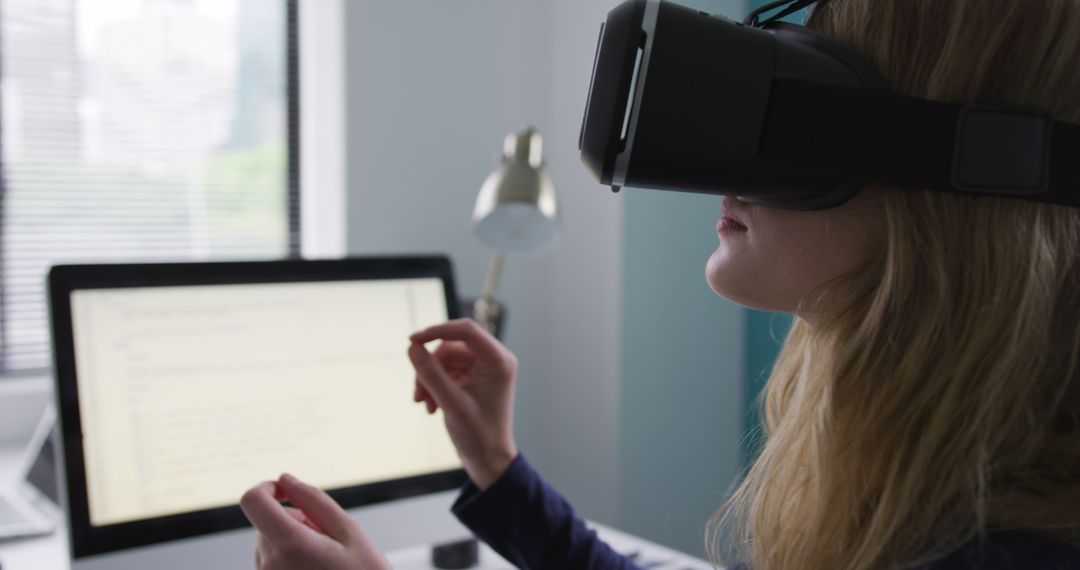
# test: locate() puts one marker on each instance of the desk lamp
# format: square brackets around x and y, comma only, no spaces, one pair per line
[516,212]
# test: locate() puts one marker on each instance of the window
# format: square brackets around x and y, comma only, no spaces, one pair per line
[138,130]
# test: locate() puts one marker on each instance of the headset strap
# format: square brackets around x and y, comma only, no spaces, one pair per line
[827,131]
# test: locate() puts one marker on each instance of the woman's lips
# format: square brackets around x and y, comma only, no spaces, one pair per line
[730,222]
[727,224]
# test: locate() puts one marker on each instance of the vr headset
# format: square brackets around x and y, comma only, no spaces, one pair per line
[779,115]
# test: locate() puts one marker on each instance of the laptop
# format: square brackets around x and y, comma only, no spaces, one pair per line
[28,503]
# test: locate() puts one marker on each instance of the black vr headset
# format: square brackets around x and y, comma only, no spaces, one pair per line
[782,116]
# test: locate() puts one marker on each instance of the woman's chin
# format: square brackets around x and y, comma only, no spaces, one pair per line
[738,284]
[723,276]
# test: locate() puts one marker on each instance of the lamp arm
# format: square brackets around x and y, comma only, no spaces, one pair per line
[493,275]
[486,310]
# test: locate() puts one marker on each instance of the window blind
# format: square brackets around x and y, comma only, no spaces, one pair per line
[140,130]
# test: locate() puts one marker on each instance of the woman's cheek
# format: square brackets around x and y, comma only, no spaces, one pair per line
[775,264]
[747,277]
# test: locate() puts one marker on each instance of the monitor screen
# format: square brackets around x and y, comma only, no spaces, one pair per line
[189,393]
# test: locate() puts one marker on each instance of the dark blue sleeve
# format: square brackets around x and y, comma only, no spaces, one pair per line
[526,521]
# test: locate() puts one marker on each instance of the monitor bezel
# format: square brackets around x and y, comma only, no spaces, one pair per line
[89,540]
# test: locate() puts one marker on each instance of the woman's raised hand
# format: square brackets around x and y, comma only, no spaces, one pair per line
[471,377]
[317,533]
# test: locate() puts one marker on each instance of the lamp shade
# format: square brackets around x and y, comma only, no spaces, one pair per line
[516,210]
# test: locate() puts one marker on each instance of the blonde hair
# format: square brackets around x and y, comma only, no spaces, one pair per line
[938,398]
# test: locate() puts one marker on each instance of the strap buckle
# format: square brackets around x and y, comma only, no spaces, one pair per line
[1002,151]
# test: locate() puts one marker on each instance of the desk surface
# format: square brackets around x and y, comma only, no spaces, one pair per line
[50,552]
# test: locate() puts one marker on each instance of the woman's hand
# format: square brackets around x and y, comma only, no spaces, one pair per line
[471,377]
[317,534]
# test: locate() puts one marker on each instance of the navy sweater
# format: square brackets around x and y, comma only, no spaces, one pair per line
[526,521]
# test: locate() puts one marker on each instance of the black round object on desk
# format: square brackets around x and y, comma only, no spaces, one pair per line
[456,555]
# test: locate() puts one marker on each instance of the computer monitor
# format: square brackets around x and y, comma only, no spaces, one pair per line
[181,385]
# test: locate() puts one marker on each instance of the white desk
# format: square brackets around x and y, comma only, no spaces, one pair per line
[51,552]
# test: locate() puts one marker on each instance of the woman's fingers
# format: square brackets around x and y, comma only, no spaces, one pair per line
[300,516]
[434,379]
[317,533]
[420,394]
[267,515]
[479,341]
[454,355]
[319,508]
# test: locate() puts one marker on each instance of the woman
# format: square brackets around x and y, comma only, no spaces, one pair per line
[925,409]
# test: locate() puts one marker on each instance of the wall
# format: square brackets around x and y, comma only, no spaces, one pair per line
[682,402]
[585,284]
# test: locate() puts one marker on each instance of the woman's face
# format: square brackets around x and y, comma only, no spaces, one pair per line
[771,259]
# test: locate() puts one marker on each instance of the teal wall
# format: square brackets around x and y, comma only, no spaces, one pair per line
[682,402]
[796,18]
